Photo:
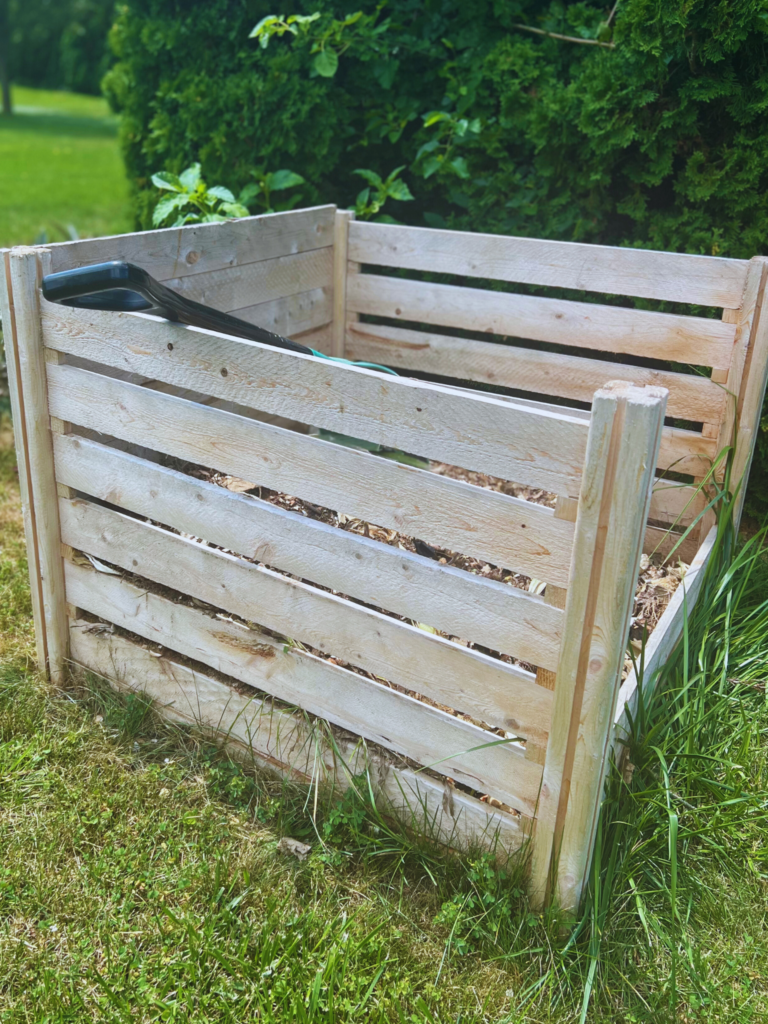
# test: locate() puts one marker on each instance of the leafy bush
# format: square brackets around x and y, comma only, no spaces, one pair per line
[641,128]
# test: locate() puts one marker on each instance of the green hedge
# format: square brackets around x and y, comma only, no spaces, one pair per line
[657,140]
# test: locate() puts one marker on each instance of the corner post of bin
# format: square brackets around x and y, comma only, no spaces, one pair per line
[342,221]
[622,452]
[752,382]
[34,445]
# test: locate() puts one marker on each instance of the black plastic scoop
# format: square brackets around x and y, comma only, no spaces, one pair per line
[122,287]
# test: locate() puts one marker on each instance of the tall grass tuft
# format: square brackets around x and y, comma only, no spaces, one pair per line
[692,801]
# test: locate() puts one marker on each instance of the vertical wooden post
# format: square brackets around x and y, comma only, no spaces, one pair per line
[23,338]
[340,248]
[751,391]
[622,452]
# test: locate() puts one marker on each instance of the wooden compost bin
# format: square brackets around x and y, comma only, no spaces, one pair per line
[233,609]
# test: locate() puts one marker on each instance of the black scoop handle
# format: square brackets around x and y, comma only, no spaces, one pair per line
[125,288]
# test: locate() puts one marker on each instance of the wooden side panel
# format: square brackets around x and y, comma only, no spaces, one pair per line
[382,645]
[469,429]
[613,506]
[293,315]
[340,242]
[290,744]
[702,280]
[691,397]
[683,339]
[377,712]
[502,530]
[28,373]
[483,611]
[198,248]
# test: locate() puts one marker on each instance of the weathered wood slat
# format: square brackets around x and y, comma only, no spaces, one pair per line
[445,672]
[701,280]
[248,284]
[682,339]
[528,444]
[199,248]
[691,396]
[363,707]
[377,712]
[294,314]
[492,614]
[503,530]
[290,744]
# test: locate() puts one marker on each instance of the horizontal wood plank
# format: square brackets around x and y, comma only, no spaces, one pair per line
[381,714]
[682,339]
[542,446]
[495,527]
[483,611]
[199,248]
[291,744]
[691,396]
[248,284]
[677,277]
[448,673]
[294,314]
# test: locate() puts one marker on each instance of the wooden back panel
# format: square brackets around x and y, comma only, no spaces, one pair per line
[597,341]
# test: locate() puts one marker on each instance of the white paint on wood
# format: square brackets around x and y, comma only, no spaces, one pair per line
[292,745]
[495,527]
[678,277]
[448,673]
[682,339]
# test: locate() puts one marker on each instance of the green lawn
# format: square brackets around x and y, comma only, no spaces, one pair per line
[60,166]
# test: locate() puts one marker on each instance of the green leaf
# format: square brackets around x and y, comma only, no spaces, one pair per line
[431,165]
[434,220]
[434,117]
[283,179]
[459,165]
[370,176]
[219,192]
[167,180]
[234,210]
[249,193]
[166,206]
[400,191]
[326,63]
[362,197]
[258,28]
[212,218]
[190,179]
[303,19]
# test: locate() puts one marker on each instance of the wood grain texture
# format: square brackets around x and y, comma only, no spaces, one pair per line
[13,375]
[340,240]
[683,339]
[248,284]
[613,506]
[294,314]
[483,611]
[448,673]
[524,443]
[198,248]
[380,714]
[752,387]
[702,280]
[290,744]
[368,709]
[503,530]
[691,396]
[28,356]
